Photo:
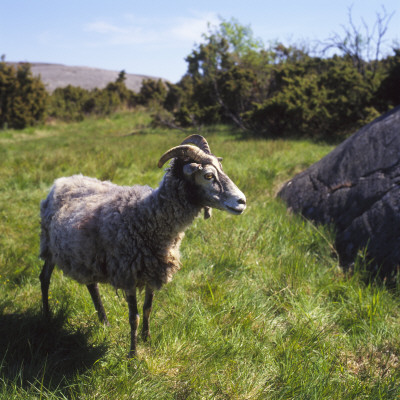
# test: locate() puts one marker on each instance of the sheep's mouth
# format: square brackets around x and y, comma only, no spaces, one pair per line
[236,211]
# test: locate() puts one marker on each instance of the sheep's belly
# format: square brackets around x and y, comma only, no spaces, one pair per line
[80,272]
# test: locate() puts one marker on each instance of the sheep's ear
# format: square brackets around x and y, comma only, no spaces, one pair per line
[190,169]
[207,212]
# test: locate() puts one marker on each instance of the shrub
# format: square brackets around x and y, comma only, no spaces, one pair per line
[23,97]
[69,103]
[279,91]
[388,94]
[74,103]
[152,91]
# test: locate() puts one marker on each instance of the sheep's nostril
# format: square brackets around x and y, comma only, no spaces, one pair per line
[242,201]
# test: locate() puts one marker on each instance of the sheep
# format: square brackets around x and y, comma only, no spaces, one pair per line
[129,237]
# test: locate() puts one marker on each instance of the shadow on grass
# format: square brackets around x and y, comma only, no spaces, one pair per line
[50,352]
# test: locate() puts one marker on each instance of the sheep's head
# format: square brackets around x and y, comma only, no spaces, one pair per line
[204,171]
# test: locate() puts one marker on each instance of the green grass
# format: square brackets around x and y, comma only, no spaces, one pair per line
[259,310]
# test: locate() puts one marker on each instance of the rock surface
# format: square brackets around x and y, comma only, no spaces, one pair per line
[57,75]
[356,188]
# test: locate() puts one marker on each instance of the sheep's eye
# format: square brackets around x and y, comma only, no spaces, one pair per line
[208,176]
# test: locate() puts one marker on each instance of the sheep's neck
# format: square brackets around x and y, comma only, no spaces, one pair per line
[173,207]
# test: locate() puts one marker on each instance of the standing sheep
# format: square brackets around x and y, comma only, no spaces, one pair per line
[130,236]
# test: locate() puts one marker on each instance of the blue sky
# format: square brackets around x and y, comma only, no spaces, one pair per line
[154,37]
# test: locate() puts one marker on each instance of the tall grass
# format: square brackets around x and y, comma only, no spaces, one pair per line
[259,310]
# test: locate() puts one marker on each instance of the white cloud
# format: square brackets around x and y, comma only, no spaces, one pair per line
[132,30]
[110,34]
[192,28]
[104,28]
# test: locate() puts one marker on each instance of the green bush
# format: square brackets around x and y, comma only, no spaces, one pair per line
[68,103]
[388,94]
[22,97]
[152,91]
[279,91]
[313,97]
[74,103]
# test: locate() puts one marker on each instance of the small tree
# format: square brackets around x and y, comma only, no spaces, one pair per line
[152,91]
[222,73]
[23,97]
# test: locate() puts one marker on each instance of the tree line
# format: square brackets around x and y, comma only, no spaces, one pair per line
[24,100]
[270,91]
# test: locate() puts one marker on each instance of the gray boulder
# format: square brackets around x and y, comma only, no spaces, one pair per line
[356,188]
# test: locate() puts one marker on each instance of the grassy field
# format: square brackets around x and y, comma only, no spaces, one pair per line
[259,310]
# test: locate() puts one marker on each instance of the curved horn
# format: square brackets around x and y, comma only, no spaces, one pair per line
[182,151]
[199,141]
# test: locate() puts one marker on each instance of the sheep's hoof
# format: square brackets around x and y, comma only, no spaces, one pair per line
[132,354]
[47,316]
[146,336]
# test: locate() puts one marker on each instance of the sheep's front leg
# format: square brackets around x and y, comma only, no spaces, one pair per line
[98,305]
[133,320]
[148,300]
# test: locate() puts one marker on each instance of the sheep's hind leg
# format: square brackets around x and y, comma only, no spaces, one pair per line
[98,305]
[133,320]
[44,277]
[148,301]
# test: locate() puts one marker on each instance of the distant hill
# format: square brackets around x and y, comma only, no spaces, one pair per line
[58,75]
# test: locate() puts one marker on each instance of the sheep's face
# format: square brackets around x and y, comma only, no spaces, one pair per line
[215,188]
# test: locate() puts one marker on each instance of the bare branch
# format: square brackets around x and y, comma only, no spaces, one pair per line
[362,44]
